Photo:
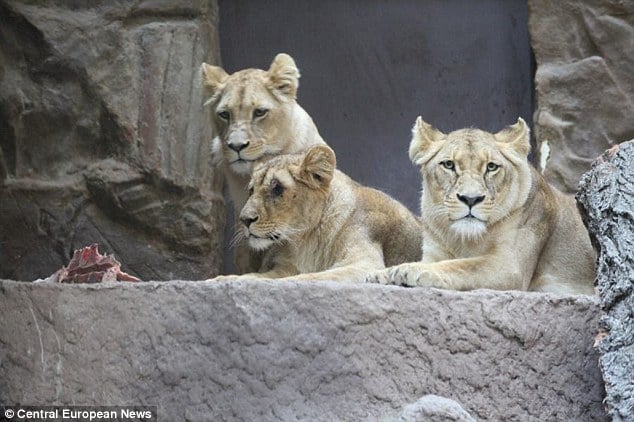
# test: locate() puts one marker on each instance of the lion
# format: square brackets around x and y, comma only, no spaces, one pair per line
[316,223]
[255,115]
[490,220]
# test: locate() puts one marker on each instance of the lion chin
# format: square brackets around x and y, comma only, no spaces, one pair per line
[469,228]
[260,244]
[242,167]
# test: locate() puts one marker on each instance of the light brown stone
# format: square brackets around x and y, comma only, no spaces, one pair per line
[103,137]
[584,82]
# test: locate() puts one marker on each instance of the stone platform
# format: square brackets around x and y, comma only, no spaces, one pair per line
[299,351]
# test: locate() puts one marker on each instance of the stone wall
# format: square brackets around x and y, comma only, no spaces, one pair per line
[584,82]
[267,350]
[103,138]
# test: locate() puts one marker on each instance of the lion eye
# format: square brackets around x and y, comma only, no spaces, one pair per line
[492,167]
[259,112]
[276,188]
[224,115]
[448,164]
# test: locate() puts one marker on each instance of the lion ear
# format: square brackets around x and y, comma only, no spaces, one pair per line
[213,78]
[284,76]
[424,136]
[517,136]
[318,167]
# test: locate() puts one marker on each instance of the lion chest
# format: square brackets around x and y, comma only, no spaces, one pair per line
[320,250]
[435,250]
[312,256]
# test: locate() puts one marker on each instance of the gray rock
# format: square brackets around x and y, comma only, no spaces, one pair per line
[103,137]
[606,197]
[267,350]
[584,82]
[431,408]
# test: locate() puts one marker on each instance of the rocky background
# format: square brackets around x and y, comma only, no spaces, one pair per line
[103,139]
[584,82]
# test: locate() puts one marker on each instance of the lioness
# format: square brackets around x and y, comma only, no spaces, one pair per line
[254,115]
[490,220]
[319,224]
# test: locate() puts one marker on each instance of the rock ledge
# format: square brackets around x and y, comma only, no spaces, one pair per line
[307,351]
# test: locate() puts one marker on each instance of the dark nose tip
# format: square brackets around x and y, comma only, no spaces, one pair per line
[471,200]
[248,220]
[238,147]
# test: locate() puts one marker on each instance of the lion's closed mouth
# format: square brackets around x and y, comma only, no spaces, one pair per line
[240,160]
[469,217]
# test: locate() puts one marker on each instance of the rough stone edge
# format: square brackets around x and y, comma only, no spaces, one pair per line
[602,199]
[176,286]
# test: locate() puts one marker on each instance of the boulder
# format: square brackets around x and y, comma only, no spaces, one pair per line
[103,137]
[606,198]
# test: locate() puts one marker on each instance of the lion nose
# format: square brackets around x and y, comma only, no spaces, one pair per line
[238,147]
[248,220]
[471,200]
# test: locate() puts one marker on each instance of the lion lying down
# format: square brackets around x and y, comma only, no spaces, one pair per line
[318,224]
[490,220]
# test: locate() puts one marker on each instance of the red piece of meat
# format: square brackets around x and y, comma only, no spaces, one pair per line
[89,266]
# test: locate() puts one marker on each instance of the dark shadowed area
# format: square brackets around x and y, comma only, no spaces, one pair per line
[370,67]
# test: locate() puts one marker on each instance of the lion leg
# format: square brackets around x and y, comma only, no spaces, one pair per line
[413,274]
[456,274]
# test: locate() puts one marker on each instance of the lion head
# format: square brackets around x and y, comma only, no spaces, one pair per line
[287,195]
[250,110]
[472,179]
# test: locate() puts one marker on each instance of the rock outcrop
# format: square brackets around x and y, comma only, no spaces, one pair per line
[606,196]
[267,350]
[103,137]
[584,82]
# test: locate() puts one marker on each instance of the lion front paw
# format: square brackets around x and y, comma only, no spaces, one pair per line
[409,275]
[222,278]
[406,275]
[378,277]
[399,275]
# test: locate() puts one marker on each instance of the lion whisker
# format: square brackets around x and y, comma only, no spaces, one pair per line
[238,236]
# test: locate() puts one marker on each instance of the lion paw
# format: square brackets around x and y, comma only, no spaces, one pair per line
[408,275]
[403,275]
[379,277]
[222,278]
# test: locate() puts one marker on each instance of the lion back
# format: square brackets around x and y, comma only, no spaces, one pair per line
[391,225]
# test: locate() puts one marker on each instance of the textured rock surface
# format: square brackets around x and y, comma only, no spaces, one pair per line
[584,81]
[431,408]
[292,351]
[606,195]
[103,138]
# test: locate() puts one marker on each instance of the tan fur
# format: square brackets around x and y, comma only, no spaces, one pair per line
[318,224]
[523,233]
[235,102]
